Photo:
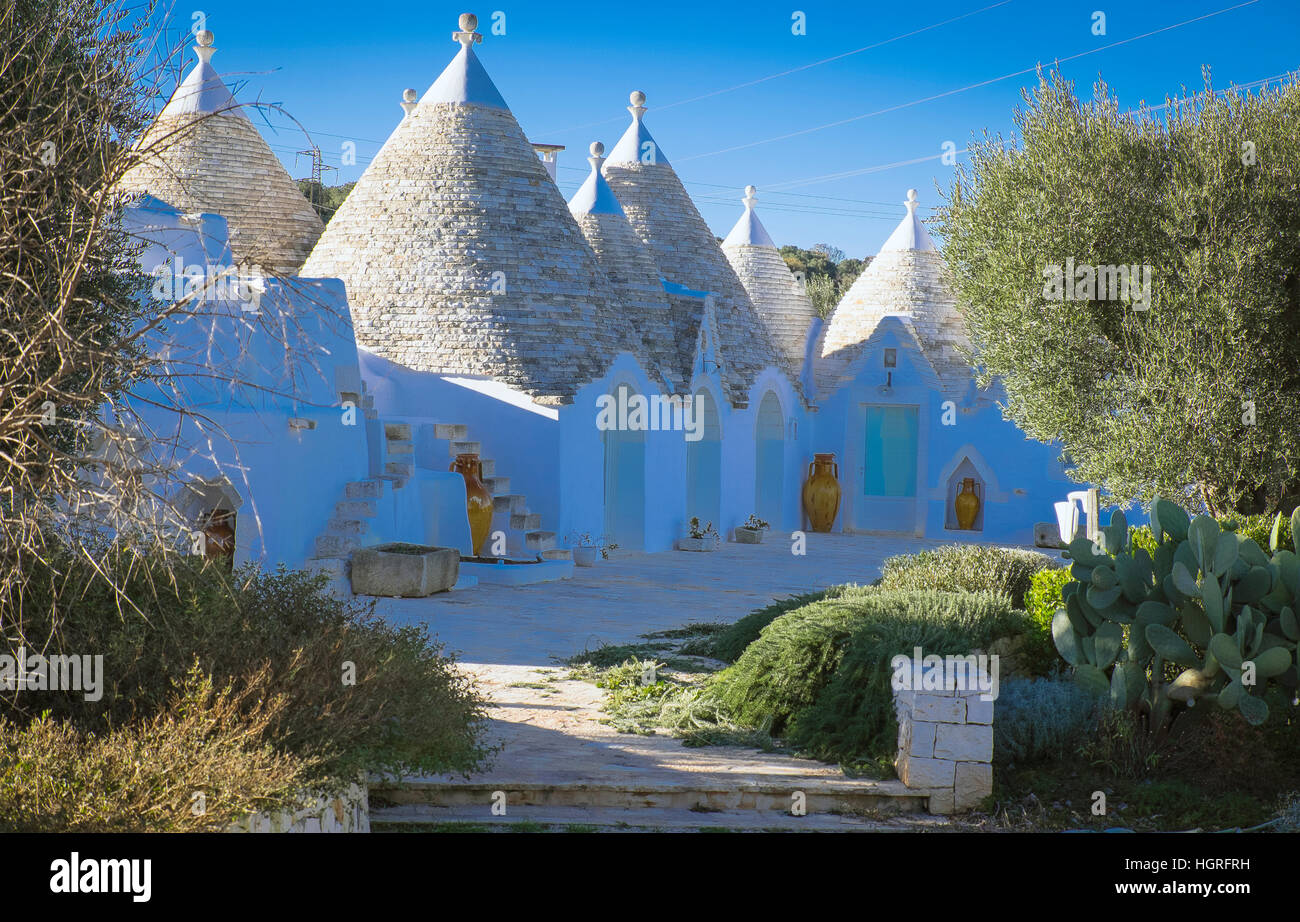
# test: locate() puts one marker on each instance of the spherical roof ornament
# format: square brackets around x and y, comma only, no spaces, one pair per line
[637,98]
[750,198]
[597,149]
[203,45]
[467,36]
[409,96]
[911,202]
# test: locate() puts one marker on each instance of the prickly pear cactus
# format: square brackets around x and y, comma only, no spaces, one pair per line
[1207,600]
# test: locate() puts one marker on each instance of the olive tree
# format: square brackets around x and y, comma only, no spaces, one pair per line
[1133,280]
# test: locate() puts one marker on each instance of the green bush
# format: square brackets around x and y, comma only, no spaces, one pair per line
[821,673]
[966,568]
[358,693]
[1259,528]
[1043,719]
[1044,597]
[731,643]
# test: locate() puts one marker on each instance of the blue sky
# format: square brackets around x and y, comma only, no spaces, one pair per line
[566,69]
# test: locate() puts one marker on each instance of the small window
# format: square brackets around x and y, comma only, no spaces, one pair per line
[891,358]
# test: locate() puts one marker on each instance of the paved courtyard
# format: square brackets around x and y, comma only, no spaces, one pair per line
[621,598]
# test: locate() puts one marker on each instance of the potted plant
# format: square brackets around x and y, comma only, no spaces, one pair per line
[587,547]
[699,537]
[752,531]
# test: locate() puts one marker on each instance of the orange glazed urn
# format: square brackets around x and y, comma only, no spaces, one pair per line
[821,492]
[967,504]
[478,498]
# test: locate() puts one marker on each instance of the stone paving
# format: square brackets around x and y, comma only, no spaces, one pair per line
[621,598]
[553,746]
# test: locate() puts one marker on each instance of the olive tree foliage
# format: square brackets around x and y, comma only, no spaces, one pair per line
[1193,392]
[82,336]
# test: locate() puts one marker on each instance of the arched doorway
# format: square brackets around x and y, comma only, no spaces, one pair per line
[704,463]
[625,472]
[769,461]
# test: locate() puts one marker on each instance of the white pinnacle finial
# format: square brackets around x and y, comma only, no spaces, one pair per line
[750,198]
[409,97]
[467,36]
[597,155]
[203,45]
[638,104]
[911,202]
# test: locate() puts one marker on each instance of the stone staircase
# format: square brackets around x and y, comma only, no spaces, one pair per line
[525,537]
[349,524]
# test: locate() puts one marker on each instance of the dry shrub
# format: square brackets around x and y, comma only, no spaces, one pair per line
[55,777]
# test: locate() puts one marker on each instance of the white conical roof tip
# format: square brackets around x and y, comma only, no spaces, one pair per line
[910,233]
[749,231]
[595,196]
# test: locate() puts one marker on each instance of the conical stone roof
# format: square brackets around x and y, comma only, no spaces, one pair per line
[782,304]
[459,254]
[202,154]
[686,251]
[632,272]
[905,279]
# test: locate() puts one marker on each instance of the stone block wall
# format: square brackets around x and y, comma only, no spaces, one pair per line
[347,810]
[945,746]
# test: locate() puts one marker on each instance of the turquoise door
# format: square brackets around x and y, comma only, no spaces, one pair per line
[890,468]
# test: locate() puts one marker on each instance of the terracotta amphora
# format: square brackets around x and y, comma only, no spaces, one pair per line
[478,498]
[967,504]
[821,492]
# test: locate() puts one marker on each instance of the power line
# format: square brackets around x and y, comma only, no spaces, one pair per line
[793,70]
[972,86]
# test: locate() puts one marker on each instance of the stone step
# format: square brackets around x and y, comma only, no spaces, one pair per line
[400,448]
[364,489]
[508,502]
[526,521]
[497,484]
[336,545]
[462,447]
[642,819]
[539,540]
[451,432]
[401,469]
[353,527]
[370,413]
[335,567]
[355,509]
[397,432]
[770,796]
[557,553]
[367,401]
[489,467]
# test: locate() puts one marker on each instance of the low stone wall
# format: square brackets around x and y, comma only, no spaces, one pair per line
[945,746]
[342,811]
